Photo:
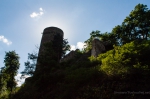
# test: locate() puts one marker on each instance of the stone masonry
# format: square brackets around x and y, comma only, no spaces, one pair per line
[97,47]
[48,36]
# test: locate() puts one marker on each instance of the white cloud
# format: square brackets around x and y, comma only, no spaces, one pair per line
[34,14]
[5,40]
[41,13]
[20,80]
[40,9]
[80,45]
[37,14]
[73,47]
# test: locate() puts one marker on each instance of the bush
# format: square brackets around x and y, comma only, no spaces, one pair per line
[123,59]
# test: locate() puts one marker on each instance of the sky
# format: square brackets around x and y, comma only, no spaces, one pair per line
[23,21]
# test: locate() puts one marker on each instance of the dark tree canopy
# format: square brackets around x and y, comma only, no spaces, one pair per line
[135,26]
[12,64]
[30,65]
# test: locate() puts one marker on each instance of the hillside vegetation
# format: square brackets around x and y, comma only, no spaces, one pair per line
[119,73]
[123,69]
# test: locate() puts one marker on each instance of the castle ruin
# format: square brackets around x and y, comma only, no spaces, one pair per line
[51,34]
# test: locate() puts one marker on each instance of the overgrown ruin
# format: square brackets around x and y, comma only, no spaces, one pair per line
[49,33]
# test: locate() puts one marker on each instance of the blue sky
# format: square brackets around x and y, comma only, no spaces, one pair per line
[23,21]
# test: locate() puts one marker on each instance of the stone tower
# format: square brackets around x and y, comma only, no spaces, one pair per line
[49,35]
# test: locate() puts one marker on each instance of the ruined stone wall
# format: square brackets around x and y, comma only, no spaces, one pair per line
[69,56]
[97,47]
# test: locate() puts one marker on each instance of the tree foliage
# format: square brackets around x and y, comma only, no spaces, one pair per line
[9,71]
[135,26]
[30,65]
[3,83]
[126,58]
[105,37]
[12,64]
[65,47]
[88,42]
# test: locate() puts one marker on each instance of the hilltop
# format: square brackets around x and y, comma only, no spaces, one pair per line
[112,65]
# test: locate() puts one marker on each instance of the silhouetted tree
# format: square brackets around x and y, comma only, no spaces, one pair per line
[12,64]
[30,65]
[65,47]
[2,81]
[135,26]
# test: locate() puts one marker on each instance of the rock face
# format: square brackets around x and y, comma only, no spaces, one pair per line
[49,35]
[97,47]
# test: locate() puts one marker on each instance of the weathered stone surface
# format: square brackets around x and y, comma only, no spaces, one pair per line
[97,47]
[48,36]
[69,56]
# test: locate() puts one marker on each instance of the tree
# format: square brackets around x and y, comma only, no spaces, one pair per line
[135,26]
[30,65]
[125,59]
[2,81]
[12,64]
[65,47]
